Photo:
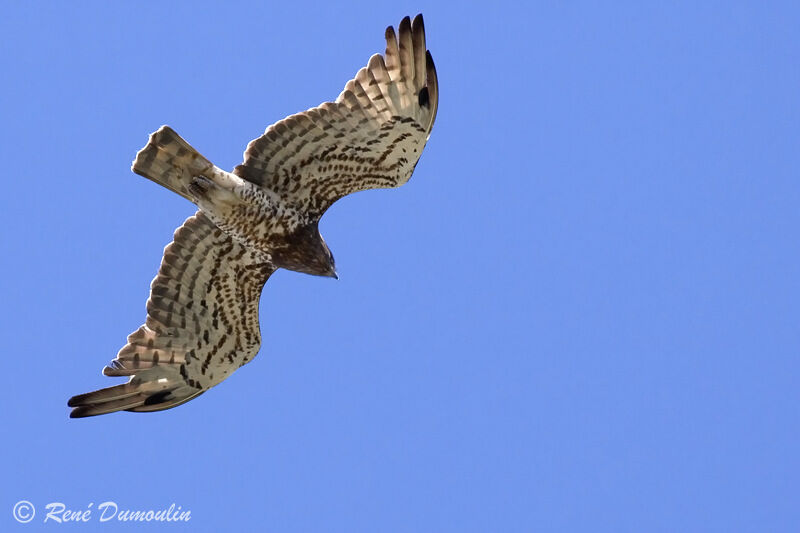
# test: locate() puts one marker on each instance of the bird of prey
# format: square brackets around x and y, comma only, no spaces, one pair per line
[202,313]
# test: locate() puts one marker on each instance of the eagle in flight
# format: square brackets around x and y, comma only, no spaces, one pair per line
[202,314]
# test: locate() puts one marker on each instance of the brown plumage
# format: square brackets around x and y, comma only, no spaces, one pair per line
[202,314]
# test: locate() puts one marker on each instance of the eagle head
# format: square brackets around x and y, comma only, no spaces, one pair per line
[307,252]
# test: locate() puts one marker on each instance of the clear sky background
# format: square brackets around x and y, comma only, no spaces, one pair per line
[581,314]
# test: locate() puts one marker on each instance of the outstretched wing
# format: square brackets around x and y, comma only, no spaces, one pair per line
[371,137]
[202,324]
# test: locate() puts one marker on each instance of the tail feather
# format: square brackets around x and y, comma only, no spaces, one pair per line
[170,161]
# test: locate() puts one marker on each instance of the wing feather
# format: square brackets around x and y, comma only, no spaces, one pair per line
[406,56]
[201,325]
[371,137]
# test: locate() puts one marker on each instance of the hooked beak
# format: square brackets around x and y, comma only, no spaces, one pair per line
[332,273]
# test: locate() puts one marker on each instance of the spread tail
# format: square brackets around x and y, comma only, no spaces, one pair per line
[170,161]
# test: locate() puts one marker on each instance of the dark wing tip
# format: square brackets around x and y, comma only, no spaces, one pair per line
[429,64]
[404,26]
[418,24]
[81,412]
[432,85]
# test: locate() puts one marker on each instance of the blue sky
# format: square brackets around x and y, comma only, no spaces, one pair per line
[581,314]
